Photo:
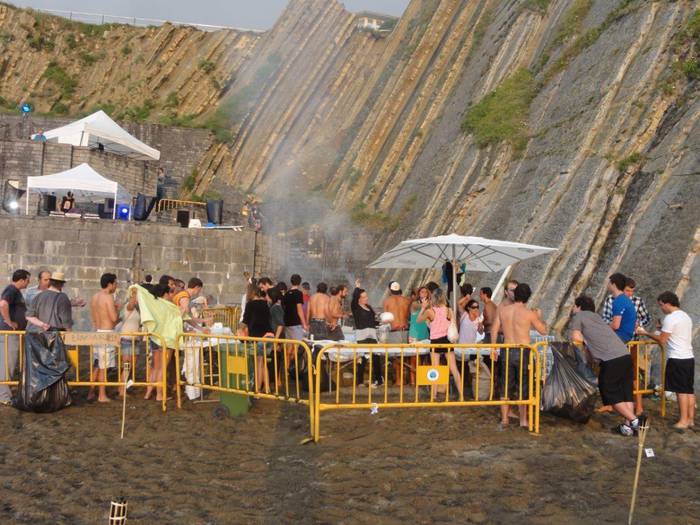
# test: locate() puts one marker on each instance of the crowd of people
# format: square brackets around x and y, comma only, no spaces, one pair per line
[424,314]
[172,305]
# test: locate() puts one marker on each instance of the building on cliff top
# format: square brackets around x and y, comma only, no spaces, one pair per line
[371,21]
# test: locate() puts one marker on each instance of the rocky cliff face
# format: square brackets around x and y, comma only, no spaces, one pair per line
[567,123]
[563,123]
[66,67]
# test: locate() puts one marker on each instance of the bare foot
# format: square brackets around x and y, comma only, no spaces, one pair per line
[91,396]
[148,395]
[681,426]
[104,400]
[604,408]
[160,398]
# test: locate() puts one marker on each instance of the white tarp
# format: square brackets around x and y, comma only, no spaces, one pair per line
[99,128]
[83,181]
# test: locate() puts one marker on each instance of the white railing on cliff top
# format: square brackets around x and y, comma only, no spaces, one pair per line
[99,18]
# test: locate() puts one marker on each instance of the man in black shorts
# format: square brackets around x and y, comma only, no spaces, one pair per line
[677,335]
[615,380]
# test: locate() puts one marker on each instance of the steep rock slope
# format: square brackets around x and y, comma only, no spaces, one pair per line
[602,162]
[66,67]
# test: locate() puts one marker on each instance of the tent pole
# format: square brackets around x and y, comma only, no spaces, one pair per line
[454,282]
[114,208]
[502,282]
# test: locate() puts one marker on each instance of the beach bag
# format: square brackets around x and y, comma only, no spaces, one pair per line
[566,393]
[453,331]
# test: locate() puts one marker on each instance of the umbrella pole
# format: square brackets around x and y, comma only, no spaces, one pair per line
[454,283]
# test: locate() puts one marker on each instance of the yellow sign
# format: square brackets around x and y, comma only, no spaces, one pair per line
[432,375]
[91,338]
[236,365]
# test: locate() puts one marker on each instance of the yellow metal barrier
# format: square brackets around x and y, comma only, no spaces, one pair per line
[226,315]
[11,355]
[173,204]
[87,350]
[142,350]
[264,368]
[431,376]
[643,359]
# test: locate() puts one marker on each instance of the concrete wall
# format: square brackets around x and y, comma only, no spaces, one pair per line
[85,249]
[181,149]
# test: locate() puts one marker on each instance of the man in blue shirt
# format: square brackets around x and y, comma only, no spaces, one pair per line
[624,315]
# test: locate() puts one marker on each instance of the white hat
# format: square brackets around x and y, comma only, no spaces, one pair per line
[394,286]
[58,276]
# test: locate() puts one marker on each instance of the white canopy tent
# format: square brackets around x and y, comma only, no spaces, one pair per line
[83,182]
[97,129]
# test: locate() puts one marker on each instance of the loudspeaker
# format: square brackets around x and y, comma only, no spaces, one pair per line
[141,210]
[215,211]
[49,202]
[183,218]
[106,209]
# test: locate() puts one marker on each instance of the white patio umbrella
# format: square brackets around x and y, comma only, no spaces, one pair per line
[479,254]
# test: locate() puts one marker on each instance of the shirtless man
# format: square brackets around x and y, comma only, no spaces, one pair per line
[318,311]
[104,313]
[335,313]
[490,309]
[400,306]
[516,320]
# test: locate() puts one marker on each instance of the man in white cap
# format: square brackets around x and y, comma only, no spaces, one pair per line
[400,307]
[51,308]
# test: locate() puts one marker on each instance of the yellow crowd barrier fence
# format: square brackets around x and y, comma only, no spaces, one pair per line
[226,315]
[647,355]
[134,356]
[263,368]
[484,375]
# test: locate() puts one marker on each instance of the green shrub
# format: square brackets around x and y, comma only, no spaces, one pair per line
[375,220]
[207,66]
[539,6]
[86,58]
[502,115]
[691,69]
[126,50]
[139,113]
[190,181]
[71,42]
[56,74]
[171,101]
[40,43]
[59,108]
[572,21]
[628,161]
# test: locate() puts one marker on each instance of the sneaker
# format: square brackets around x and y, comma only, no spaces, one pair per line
[635,424]
[623,430]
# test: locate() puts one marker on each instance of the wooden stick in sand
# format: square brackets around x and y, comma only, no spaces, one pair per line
[127,373]
[642,436]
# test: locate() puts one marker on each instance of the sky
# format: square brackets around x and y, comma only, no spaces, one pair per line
[249,14]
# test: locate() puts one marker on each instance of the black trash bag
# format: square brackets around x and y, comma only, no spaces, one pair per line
[566,393]
[42,385]
[575,356]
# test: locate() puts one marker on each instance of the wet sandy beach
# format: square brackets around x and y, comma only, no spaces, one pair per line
[396,467]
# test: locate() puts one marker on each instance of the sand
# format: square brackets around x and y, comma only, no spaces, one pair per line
[410,466]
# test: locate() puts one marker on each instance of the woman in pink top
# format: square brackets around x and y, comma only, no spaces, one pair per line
[438,316]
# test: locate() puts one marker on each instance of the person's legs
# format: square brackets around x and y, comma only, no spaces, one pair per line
[165,359]
[156,372]
[452,363]
[626,410]
[638,406]
[434,361]
[9,355]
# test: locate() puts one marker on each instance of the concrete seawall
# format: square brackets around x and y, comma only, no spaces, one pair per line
[85,249]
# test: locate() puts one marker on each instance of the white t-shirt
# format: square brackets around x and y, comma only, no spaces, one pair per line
[680,326]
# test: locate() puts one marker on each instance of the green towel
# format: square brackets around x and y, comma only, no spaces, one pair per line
[159,316]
